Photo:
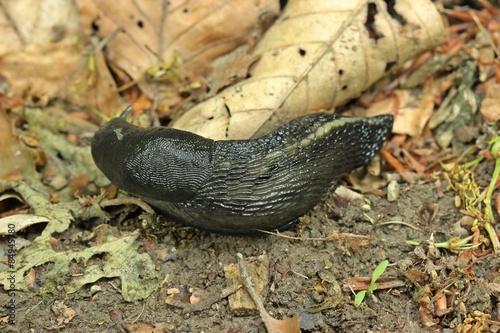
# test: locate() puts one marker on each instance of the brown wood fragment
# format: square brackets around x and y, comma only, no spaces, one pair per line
[240,303]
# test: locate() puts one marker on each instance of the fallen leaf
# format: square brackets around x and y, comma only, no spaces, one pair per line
[36,22]
[137,271]
[41,61]
[157,33]
[65,313]
[30,280]
[348,195]
[290,325]
[363,282]
[16,160]
[412,113]
[47,71]
[116,315]
[19,222]
[316,56]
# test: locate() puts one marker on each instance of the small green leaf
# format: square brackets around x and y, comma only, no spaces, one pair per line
[379,270]
[359,298]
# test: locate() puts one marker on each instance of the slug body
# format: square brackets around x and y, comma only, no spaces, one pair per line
[237,186]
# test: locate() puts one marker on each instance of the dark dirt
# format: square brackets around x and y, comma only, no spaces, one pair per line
[196,260]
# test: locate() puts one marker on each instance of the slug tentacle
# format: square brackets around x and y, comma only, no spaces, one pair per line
[238,186]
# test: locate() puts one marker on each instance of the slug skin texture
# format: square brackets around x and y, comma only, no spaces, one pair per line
[238,186]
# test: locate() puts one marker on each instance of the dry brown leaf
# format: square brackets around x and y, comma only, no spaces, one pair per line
[15,158]
[317,55]
[65,313]
[144,327]
[25,22]
[40,60]
[197,31]
[347,195]
[289,325]
[412,114]
[20,221]
[30,279]
[44,72]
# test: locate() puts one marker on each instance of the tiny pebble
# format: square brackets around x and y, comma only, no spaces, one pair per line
[393,191]
[58,183]
[95,289]
[366,208]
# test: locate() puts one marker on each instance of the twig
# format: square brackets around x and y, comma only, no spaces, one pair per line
[247,282]
[32,308]
[333,235]
[128,201]
[399,222]
[488,35]
[140,314]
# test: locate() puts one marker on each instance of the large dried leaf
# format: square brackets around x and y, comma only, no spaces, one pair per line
[25,22]
[20,222]
[45,72]
[196,31]
[318,55]
[41,61]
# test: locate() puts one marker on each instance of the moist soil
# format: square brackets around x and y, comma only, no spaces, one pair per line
[195,261]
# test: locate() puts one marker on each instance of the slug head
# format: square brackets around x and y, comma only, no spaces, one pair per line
[156,163]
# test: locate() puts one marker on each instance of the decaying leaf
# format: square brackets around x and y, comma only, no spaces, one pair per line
[413,111]
[317,55]
[120,257]
[172,43]
[63,312]
[15,158]
[44,72]
[19,222]
[41,61]
[24,22]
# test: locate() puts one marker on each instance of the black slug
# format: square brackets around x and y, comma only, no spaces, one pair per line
[237,186]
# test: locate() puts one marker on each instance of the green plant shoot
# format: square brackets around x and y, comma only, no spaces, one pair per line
[379,270]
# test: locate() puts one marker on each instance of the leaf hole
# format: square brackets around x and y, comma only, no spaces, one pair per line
[185,94]
[391,8]
[140,24]
[389,65]
[95,26]
[302,52]
[370,22]
[283,4]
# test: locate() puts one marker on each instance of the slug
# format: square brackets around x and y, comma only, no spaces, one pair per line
[237,186]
